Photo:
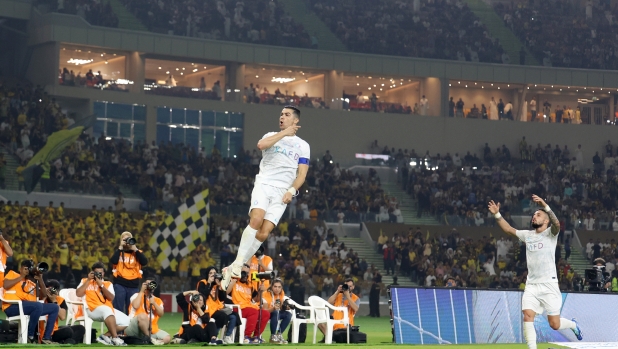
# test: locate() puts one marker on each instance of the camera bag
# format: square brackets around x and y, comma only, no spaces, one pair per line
[8,331]
[340,336]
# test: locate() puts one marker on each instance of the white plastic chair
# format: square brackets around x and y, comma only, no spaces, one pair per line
[73,304]
[322,316]
[296,322]
[71,309]
[243,323]
[22,319]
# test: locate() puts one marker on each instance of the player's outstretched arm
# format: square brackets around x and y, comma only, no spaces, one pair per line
[555,223]
[504,225]
[269,141]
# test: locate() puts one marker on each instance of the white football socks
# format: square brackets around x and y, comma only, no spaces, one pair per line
[530,335]
[246,245]
[254,247]
[566,324]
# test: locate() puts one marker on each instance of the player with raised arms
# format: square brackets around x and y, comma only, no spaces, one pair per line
[541,292]
[284,166]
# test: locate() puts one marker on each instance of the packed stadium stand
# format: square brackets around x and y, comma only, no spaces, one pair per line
[378,214]
[564,34]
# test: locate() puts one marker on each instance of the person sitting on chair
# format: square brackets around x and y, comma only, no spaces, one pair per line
[23,287]
[275,301]
[99,296]
[343,298]
[245,296]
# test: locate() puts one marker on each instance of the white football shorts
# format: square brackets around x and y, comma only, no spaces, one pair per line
[269,199]
[543,296]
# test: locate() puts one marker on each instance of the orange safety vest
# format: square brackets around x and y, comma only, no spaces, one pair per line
[25,290]
[143,310]
[241,295]
[338,315]
[94,295]
[128,266]
[193,320]
[254,266]
[3,257]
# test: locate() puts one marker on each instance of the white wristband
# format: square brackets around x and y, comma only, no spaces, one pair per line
[547,208]
[497,215]
[292,191]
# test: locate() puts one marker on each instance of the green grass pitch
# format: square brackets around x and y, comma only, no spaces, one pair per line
[378,336]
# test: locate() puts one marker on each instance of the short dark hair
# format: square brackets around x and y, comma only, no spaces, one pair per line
[98,265]
[27,263]
[296,110]
[53,283]
[348,280]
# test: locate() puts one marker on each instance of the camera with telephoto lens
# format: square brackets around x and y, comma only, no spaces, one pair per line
[195,298]
[267,275]
[219,277]
[98,275]
[40,268]
[344,287]
[597,277]
[130,241]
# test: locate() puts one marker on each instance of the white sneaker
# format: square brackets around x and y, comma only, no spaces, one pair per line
[156,341]
[178,340]
[228,340]
[229,273]
[103,339]
[117,341]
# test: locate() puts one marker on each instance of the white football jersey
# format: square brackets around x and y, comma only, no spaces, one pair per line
[280,162]
[540,255]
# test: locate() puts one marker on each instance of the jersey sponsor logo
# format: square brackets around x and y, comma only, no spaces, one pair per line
[535,246]
[282,150]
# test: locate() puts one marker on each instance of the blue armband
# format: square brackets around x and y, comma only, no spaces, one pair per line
[303,161]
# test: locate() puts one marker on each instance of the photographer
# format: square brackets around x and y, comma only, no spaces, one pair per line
[22,287]
[277,304]
[245,296]
[597,277]
[99,296]
[62,334]
[128,262]
[5,251]
[260,263]
[343,297]
[196,326]
[145,311]
[210,289]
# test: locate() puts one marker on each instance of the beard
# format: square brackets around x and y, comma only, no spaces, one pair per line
[536,225]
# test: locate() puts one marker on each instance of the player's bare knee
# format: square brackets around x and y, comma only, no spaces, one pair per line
[256,222]
[554,324]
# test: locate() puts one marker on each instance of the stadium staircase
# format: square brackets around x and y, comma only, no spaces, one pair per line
[577,261]
[408,206]
[498,29]
[313,25]
[10,174]
[126,20]
[370,255]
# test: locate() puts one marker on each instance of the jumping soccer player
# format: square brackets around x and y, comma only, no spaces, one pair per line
[284,166]
[542,292]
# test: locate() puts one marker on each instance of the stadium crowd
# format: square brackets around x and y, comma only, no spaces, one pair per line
[96,12]
[427,29]
[455,188]
[260,22]
[489,262]
[563,33]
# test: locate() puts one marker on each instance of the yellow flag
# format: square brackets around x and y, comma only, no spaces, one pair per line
[491,235]
[427,237]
